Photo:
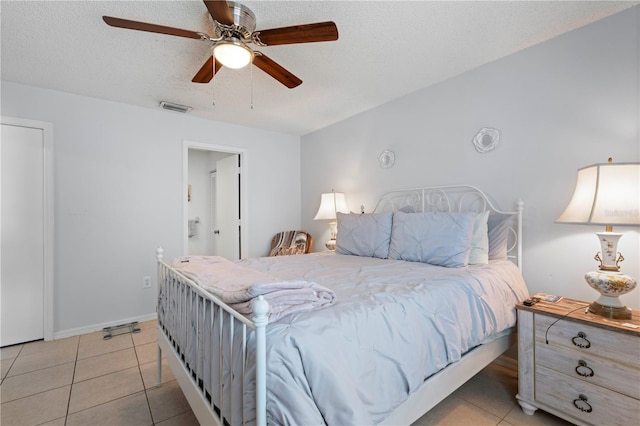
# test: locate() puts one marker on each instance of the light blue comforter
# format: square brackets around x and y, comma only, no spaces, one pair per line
[393,325]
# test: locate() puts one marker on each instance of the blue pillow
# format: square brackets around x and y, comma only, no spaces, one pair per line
[437,238]
[364,234]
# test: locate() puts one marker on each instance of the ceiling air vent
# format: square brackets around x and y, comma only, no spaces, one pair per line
[175,107]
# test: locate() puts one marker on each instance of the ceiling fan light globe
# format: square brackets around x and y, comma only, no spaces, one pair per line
[232,54]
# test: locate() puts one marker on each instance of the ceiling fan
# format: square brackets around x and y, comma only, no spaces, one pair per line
[234,26]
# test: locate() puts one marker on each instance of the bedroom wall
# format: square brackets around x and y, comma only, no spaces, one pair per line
[118,196]
[560,105]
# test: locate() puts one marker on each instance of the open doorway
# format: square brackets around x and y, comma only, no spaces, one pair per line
[214,202]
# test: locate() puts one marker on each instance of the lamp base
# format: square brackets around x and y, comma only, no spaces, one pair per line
[610,285]
[331,244]
[613,312]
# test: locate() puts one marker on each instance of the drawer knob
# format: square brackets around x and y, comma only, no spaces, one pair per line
[581,341]
[581,404]
[583,369]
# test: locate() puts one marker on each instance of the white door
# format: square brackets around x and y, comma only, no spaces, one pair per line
[228,207]
[22,257]
[213,231]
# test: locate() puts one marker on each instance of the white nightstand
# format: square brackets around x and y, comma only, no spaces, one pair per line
[578,366]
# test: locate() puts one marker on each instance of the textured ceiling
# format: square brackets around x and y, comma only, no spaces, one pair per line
[386,49]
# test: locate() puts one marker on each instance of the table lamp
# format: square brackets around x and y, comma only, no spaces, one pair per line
[330,203]
[607,194]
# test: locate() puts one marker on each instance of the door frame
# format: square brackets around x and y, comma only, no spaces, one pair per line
[48,219]
[244,191]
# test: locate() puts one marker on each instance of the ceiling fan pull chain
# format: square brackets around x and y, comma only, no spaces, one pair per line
[213,71]
[251,74]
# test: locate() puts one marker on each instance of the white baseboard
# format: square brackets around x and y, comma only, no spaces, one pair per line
[98,327]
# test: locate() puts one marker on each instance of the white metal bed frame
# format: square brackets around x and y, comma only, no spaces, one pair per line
[182,298]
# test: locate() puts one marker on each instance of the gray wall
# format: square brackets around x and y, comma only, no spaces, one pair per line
[560,105]
[118,195]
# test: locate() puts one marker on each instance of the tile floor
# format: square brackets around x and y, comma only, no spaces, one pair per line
[85,380]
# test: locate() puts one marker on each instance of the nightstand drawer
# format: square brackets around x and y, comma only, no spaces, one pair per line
[599,371]
[619,347]
[583,401]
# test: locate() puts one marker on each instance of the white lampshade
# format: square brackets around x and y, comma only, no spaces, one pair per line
[330,203]
[232,53]
[605,194]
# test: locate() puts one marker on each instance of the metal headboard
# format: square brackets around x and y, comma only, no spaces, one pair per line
[455,198]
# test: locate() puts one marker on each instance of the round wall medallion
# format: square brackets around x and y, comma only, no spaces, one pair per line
[486,139]
[386,159]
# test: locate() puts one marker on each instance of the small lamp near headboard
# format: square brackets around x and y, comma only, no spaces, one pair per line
[330,203]
[607,194]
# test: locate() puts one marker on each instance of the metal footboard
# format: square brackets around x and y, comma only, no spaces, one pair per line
[217,354]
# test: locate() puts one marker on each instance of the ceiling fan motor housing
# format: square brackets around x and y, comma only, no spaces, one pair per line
[244,21]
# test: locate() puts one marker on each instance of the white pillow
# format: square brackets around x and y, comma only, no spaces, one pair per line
[364,234]
[437,238]
[479,254]
[498,225]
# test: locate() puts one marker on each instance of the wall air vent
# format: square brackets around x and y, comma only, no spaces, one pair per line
[175,107]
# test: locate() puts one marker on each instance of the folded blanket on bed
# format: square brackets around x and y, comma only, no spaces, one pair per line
[238,286]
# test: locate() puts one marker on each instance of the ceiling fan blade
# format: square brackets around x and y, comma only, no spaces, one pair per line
[205,73]
[276,71]
[219,10]
[152,28]
[308,33]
